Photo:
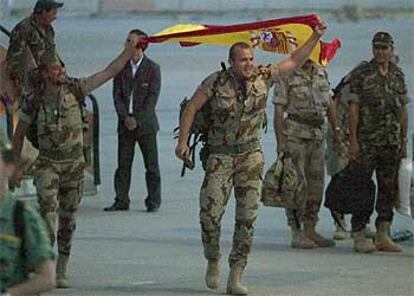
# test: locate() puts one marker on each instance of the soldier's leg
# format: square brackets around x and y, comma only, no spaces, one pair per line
[149,149]
[122,179]
[297,149]
[47,181]
[70,195]
[214,195]
[387,180]
[247,188]
[360,219]
[315,174]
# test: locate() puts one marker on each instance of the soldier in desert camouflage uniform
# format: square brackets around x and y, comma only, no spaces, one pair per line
[236,101]
[55,108]
[378,136]
[305,98]
[29,40]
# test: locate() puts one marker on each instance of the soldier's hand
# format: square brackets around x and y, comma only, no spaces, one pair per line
[182,151]
[16,178]
[320,27]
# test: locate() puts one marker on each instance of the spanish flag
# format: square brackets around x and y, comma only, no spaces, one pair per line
[278,35]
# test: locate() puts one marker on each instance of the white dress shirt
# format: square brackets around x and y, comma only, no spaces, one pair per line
[134,68]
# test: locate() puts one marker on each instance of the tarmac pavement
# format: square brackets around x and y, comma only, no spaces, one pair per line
[140,253]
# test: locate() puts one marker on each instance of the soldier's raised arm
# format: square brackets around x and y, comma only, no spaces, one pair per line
[96,80]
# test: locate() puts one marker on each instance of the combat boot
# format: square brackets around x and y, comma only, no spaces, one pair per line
[383,241]
[234,286]
[318,239]
[300,241]
[213,274]
[62,281]
[361,243]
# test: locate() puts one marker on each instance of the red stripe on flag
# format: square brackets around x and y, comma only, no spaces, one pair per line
[310,20]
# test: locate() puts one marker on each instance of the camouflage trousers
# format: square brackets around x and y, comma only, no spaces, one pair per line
[244,172]
[385,160]
[59,192]
[308,158]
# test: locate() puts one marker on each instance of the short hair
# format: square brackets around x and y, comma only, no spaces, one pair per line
[139,32]
[232,50]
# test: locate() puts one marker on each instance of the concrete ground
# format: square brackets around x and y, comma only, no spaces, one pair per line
[140,253]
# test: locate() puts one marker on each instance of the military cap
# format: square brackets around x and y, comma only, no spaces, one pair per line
[46,5]
[5,149]
[382,38]
[49,57]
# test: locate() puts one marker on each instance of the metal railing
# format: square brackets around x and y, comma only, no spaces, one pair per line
[95,131]
[8,107]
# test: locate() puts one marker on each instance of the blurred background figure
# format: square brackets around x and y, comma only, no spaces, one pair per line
[24,244]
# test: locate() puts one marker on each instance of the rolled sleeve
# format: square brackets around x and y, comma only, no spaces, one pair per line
[355,89]
[207,85]
[280,93]
[85,87]
[404,100]
[274,72]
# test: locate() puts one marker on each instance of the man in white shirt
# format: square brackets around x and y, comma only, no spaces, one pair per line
[135,92]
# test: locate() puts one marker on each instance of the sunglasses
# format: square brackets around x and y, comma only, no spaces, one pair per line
[382,47]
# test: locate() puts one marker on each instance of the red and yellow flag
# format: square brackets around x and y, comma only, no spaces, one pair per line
[278,35]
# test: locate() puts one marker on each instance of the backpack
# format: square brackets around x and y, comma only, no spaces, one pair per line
[31,133]
[350,191]
[337,91]
[280,184]
[199,129]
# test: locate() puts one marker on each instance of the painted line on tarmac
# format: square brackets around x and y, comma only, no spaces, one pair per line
[141,283]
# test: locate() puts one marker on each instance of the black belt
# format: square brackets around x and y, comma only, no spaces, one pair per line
[235,149]
[317,122]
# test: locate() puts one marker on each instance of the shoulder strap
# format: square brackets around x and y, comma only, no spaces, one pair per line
[18,223]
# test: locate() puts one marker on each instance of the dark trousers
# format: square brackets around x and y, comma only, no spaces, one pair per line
[385,160]
[126,150]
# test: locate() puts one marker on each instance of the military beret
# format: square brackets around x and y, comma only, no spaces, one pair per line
[5,149]
[46,5]
[49,57]
[382,38]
